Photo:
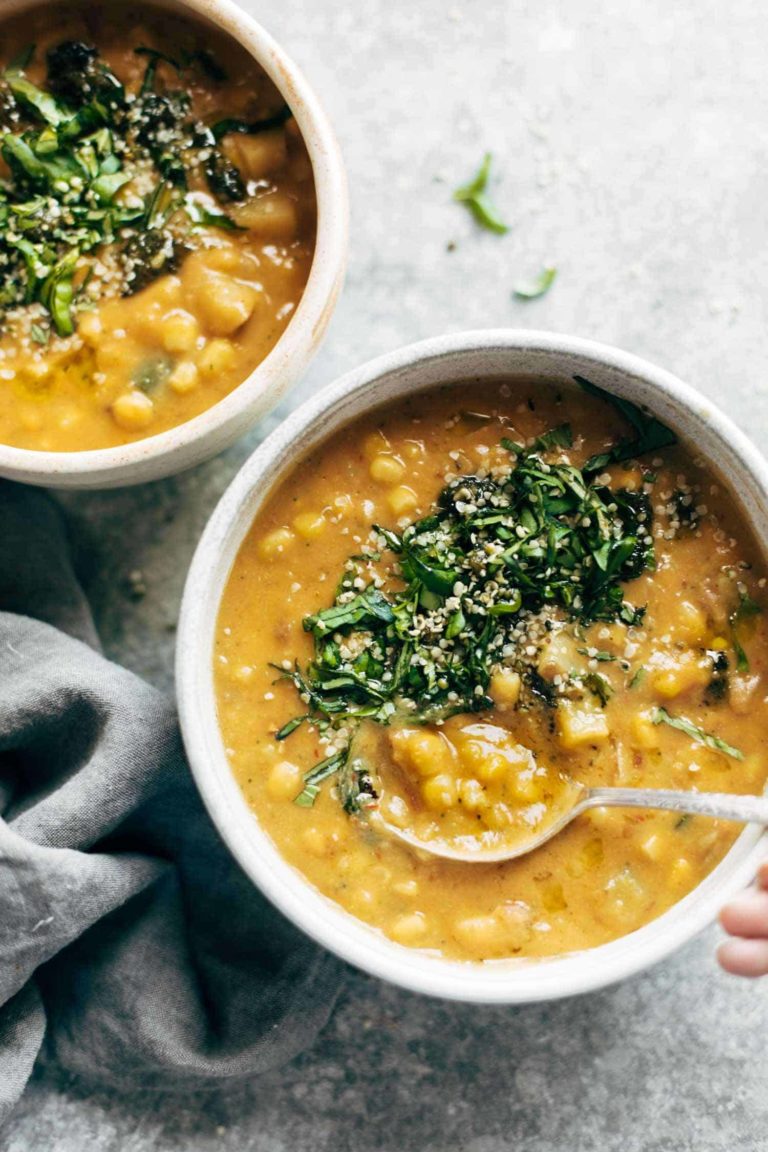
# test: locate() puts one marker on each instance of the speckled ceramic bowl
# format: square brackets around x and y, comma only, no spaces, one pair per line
[213,430]
[477,356]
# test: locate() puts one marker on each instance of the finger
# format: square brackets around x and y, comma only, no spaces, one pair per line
[744,957]
[762,875]
[747,914]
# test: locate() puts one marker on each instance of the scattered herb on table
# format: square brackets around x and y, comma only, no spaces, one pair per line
[475,196]
[682,724]
[534,544]
[539,287]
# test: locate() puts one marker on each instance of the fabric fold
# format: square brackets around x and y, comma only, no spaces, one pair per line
[132,948]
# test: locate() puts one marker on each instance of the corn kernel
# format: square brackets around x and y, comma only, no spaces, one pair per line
[217,356]
[480,933]
[681,872]
[472,795]
[375,444]
[284,781]
[309,524]
[439,792]
[680,675]
[275,543]
[179,331]
[89,326]
[409,928]
[719,644]
[427,753]
[133,411]
[386,469]
[315,842]
[183,378]
[402,499]
[409,888]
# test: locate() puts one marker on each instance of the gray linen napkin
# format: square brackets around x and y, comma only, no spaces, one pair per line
[132,949]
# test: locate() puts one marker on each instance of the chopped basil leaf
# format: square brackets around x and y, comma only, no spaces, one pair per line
[661,716]
[650,434]
[747,607]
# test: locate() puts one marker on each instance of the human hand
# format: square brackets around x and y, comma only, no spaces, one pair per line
[746,919]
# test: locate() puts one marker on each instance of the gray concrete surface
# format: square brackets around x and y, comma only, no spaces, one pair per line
[630,141]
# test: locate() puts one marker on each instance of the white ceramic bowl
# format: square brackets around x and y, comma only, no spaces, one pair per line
[212,431]
[476,356]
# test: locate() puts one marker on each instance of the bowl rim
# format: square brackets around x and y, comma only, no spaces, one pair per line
[496,982]
[214,429]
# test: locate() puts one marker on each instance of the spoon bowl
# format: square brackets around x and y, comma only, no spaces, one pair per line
[476,850]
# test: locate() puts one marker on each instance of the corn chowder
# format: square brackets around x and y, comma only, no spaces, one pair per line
[157,222]
[458,608]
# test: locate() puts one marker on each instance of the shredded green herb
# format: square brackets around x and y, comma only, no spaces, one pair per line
[475,196]
[650,434]
[73,146]
[747,607]
[495,552]
[661,716]
[539,287]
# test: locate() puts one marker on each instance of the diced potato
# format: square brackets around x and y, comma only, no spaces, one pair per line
[505,689]
[402,500]
[272,217]
[691,624]
[553,897]
[644,731]
[579,725]
[224,304]
[256,156]
[625,895]
[558,656]
[680,675]
[654,846]
[284,780]
[386,469]
[310,524]
[275,543]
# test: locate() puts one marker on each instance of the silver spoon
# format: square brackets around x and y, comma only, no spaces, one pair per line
[719,805]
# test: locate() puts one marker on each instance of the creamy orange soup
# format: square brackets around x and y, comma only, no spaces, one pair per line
[470,621]
[157,223]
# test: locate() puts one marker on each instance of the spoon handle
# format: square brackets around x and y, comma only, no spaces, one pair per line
[721,805]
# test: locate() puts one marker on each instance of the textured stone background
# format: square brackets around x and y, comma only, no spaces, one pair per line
[630,141]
